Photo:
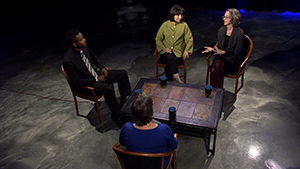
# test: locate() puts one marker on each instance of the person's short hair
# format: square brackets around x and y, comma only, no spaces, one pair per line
[235,16]
[142,109]
[176,10]
[70,36]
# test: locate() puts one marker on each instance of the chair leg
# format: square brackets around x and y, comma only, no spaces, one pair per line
[76,105]
[236,88]
[174,161]
[156,72]
[98,109]
[239,88]
[242,82]
[184,78]
[207,73]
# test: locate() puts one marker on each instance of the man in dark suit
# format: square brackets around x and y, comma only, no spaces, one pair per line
[83,69]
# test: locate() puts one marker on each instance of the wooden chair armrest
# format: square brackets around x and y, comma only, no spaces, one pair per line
[117,145]
[209,55]
[242,66]
[244,62]
[207,59]
[88,87]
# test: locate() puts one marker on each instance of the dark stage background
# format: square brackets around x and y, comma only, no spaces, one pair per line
[27,22]
[18,13]
[15,11]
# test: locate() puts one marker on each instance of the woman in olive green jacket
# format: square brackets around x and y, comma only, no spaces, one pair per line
[174,42]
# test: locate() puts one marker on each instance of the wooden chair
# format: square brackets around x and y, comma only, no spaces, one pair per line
[137,160]
[94,98]
[240,72]
[157,64]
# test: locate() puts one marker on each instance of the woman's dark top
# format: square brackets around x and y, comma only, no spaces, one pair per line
[233,46]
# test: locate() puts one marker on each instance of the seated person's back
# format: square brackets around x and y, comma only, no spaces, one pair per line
[143,135]
[157,140]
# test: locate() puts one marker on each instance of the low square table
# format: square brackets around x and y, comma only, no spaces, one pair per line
[196,114]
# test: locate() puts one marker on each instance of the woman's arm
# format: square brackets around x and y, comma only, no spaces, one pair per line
[172,141]
[189,40]
[159,38]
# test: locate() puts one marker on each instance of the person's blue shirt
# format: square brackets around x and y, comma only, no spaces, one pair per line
[158,140]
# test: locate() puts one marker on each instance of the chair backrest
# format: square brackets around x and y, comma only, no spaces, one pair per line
[137,160]
[64,72]
[66,76]
[249,47]
[248,50]
[155,55]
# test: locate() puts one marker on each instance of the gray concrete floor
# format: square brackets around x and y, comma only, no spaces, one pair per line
[39,127]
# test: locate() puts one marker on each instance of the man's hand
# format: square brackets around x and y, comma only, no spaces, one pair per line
[104,72]
[101,78]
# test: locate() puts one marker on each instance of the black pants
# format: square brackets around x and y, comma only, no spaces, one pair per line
[105,88]
[171,62]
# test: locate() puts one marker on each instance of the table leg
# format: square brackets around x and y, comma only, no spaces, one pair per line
[207,137]
[214,132]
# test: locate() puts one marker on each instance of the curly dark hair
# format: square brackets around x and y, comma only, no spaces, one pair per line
[176,10]
[142,109]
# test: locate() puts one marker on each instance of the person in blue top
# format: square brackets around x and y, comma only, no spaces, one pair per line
[143,135]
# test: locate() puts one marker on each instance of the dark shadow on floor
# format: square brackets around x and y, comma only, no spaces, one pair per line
[107,123]
[228,106]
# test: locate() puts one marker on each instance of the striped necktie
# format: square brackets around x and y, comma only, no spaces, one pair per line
[88,65]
